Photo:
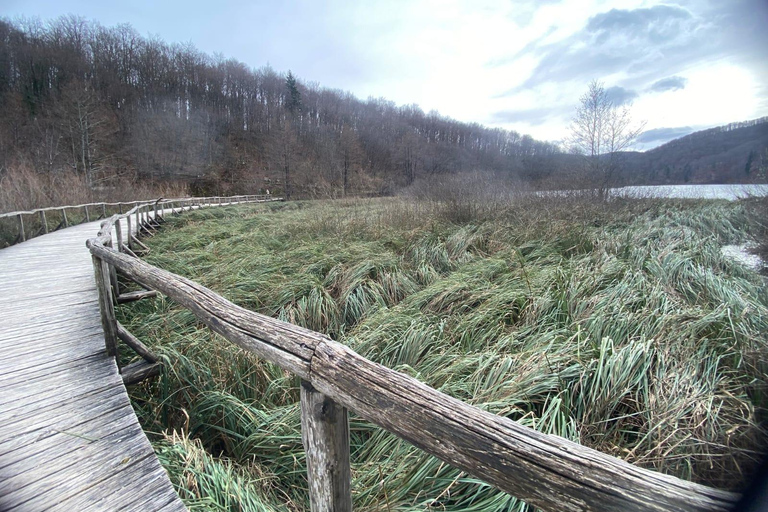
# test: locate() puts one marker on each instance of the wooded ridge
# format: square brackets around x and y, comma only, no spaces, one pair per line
[109,106]
[108,103]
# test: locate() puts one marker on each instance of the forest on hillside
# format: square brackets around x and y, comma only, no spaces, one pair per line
[110,105]
[732,153]
[103,112]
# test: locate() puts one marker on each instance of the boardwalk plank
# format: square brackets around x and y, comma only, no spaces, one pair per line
[22,362]
[49,384]
[20,412]
[150,494]
[69,439]
[54,453]
[34,335]
[34,425]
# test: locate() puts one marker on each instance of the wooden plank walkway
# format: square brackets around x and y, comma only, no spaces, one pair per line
[69,438]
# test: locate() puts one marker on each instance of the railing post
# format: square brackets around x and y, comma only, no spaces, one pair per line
[87,215]
[22,235]
[113,280]
[130,240]
[107,308]
[119,235]
[64,214]
[104,210]
[44,221]
[325,434]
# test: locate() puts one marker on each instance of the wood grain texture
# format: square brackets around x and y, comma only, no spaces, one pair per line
[104,290]
[134,296]
[69,438]
[137,372]
[325,435]
[133,342]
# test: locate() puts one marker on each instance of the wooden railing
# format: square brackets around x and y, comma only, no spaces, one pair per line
[546,471]
[32,223]
[143,218]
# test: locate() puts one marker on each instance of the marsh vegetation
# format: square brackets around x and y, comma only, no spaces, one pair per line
[619,325]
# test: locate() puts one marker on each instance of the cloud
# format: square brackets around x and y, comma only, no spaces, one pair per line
[660,135]
[631,41]
[619,95]
[533,116]
[658,24]
[647,45]
[672,83]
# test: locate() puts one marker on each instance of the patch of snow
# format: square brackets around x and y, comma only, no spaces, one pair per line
[741,254]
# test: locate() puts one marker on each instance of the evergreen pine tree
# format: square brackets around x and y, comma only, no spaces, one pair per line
[294,95]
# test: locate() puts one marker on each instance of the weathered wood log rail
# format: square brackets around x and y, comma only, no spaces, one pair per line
[44,220]
[546,471]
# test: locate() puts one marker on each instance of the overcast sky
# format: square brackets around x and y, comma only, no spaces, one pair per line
[683,64]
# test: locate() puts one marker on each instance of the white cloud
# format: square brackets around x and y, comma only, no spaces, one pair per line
[716,93]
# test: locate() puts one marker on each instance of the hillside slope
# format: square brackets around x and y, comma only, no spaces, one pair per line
[733,153]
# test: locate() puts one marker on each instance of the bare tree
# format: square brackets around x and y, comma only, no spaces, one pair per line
[600,130]
[87,123]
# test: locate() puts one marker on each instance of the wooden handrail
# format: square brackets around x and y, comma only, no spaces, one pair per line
[106,274]
[546,471]
[229,199]
[22,235]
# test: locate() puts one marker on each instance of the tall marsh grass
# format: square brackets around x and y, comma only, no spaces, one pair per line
[617,325]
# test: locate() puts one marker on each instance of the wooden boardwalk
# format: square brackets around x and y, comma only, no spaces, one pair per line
[69,438]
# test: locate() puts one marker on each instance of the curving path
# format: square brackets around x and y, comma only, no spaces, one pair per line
[69,438]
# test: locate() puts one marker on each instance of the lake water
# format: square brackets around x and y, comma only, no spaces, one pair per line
[730,192]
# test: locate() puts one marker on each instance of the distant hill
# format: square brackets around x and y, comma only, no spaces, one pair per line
[733,153]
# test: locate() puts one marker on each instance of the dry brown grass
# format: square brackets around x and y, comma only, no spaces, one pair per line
[23,188]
